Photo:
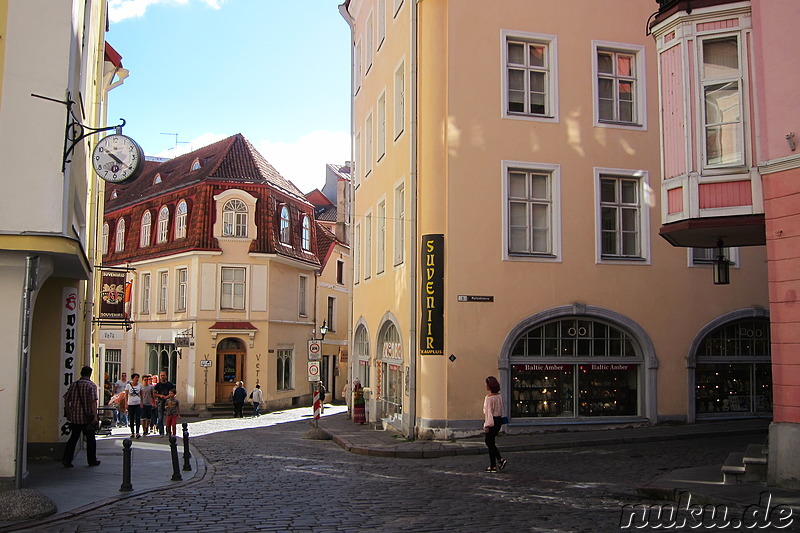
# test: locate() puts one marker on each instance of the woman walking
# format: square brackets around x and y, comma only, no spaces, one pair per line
[492,415]
[359,409]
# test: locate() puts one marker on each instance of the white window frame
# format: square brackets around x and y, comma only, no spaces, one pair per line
[163,224]
[645,204]
[397,5]
[554,173]
[234,218]
[368,245]
[181,288]
[104,245]
[380,246]
[703,82]
[181,214]
[640,84]
[285,225]
[357,163]
[399,223]
[144,232]
[381,22]
[119,244]
[399,100]
[331,313]
[358,65]
[368,147]
[731,253]
[163,290]
[306,233]
[146,287]
[551,87]
[340,272]
[232,283]
[284,361]
[357,253]
[369,42]
[381,126]
[302,296]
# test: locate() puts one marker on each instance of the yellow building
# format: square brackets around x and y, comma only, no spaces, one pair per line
[52,73]
[506,220]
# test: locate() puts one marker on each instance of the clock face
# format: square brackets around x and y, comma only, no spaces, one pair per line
[117,158]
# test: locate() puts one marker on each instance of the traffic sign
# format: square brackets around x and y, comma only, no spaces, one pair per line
[314,350]
[313,371]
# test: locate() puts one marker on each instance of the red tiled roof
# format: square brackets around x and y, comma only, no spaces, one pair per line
[233,325]
[325,244]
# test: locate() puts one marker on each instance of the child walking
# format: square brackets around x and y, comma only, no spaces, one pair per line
[172,410]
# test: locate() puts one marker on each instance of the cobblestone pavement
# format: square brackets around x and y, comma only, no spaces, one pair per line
[270,479]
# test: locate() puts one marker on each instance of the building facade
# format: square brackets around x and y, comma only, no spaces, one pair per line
[52,73]
[730,169]
[223,252]
[506,222]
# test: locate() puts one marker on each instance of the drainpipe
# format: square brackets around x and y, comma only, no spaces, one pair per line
[31,285]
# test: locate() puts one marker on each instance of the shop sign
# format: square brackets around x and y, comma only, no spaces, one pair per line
[396,368]
[69,347]
[392,350]
[432,328]
[112,295]
[608,367]
[528,368]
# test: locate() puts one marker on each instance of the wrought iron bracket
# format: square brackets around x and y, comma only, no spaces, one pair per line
[75,132]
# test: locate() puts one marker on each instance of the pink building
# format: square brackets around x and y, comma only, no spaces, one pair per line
[731,168]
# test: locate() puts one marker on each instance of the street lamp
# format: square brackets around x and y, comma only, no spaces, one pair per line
[323,329]
[722,272]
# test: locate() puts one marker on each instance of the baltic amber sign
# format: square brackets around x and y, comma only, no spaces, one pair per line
[432,330]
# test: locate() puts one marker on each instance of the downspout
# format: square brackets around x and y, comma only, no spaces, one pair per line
[413,340]
[31,285]
[351,193]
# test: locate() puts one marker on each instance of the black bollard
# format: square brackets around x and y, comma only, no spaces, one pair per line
[186,453]
[126,466]
[173,448]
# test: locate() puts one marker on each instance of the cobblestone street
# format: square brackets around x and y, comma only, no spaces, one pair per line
[270,479]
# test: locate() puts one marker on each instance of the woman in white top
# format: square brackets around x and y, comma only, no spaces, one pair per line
[492,414]
[133,391]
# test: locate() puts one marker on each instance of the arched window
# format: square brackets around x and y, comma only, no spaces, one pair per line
[196,164]
[361,346]
[105,238]
[306,233]
[284,227]
[391,353]
[234,219]
[120,244]
[180,220]
[144,235]
[163,224]
[157,179]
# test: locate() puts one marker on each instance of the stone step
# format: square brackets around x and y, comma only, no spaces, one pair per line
[755,463]
[733,470]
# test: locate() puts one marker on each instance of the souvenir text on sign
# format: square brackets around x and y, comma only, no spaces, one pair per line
[432,329]
[69,353]
[112,295]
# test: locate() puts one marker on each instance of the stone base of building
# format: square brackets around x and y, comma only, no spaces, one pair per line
[46,450]
[784,461]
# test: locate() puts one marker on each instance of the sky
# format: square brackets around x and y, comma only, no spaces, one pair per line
[276,71]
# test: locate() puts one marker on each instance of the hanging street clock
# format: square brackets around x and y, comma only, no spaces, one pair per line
[117,158]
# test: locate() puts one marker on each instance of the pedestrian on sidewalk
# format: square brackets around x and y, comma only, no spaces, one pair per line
[147,404]
[359,405]
[257,396]
[161,391]
[493,414]
[172,410]
[322,392]
[80,409]
[133,397]
[120,416]
[238,397]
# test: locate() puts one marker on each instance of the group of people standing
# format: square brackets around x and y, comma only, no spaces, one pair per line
[239,396]
[148,405]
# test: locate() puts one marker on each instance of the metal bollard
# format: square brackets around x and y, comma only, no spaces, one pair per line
[126,466]
[173,448]
[186,453]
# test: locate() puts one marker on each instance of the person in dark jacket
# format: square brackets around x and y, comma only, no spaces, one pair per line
[239,395]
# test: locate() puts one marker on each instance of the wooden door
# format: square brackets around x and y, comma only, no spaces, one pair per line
[230,369]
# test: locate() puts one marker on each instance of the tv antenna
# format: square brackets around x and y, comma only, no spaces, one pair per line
[177,142]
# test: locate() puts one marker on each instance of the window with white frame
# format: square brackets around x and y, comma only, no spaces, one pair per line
[369,43]
[356,170]
[361,346]
[180,219]
[234,219]
[368,152]
[368,246]
[104,244]
[381,22]
[721,79]
[530,75]
[340,272]
[623,216]
[182,279]
[232,288]
[145,294]
[357,69]
[163,278]
[381,148]
[380,258]
[707,256]
[120,240]
[306,233]
[399,100]
[284,232]
[302,296]
[619,84]
[532,210]
[163,224]
[144,233]
[357,253]
[331,315]
[284,369]
[397,5]
[399,223]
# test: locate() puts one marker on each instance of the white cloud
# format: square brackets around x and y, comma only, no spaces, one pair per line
[303,161]
[119,10]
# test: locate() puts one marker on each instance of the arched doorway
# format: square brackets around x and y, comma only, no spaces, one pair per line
[230,366]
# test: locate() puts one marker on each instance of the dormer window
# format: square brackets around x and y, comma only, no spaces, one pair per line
[196,164]
[306,234]
[144,233]
[234,219]
[113,194]
[284,227]
[180,220]
[157,179]
[163,224]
